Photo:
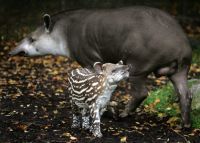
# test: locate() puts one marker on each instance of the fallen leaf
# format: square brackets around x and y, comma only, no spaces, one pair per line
[23,127]
[66,134]
[55,111]
[10,81]
[123,139]
[59,90]
[173,121]
[73,138]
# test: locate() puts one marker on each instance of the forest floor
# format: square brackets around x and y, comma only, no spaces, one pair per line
[34,107]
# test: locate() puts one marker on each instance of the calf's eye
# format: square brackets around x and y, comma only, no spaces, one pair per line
[115,70]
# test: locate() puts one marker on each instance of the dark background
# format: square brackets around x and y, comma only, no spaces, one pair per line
[34,104]
[19,17]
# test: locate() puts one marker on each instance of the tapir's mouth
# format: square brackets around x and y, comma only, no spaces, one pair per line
[22,53]
[126,74]
[17,51]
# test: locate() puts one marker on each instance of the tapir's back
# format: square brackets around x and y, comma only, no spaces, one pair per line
[145,37]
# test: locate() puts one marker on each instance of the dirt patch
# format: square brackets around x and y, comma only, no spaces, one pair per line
[34,107]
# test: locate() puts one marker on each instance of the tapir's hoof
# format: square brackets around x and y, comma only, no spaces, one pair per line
[183,126]
[179,127]
[187,126]
[123,114]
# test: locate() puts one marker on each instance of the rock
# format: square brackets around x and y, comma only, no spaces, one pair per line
[195,89]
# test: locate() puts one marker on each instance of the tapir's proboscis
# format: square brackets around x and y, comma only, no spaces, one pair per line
[148,39]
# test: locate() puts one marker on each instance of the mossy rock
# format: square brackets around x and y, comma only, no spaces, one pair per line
[195,89]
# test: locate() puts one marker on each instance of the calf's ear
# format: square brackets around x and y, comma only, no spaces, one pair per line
[47,22]
[120,62]
[98,67]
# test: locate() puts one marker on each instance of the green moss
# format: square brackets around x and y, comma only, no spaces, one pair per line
[196,55]
[195,119]
[163,101]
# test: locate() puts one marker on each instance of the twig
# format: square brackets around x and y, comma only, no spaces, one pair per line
[179,135]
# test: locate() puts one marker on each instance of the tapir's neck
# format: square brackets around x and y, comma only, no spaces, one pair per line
[106,95]
[62,48]
[109,89]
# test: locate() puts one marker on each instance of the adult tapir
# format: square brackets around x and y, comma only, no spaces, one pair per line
[147,38]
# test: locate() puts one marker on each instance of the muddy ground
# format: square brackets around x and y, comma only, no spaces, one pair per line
[34,107]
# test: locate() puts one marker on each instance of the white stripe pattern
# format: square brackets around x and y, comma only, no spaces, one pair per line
[94,84]
[77,92]
[93,97]
[90,89]
[78,98]
[80,73]
[81,81]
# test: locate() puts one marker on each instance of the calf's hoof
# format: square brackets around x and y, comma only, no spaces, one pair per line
[75,125]
[97,134]
[86,127]
[183,127]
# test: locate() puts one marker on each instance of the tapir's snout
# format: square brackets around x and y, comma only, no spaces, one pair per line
[14,51]
[126,70]
[17,51]
[22,53]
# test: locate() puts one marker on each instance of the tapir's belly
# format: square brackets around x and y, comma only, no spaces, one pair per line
[143,62]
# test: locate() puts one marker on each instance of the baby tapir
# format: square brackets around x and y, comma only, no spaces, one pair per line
[90,92]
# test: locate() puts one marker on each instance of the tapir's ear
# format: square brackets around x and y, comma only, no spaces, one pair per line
[120,62]
[47,22]
[98,67]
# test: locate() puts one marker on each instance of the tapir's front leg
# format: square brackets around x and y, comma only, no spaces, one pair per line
[76,117]
[96,129]
[138,93]
[85,119]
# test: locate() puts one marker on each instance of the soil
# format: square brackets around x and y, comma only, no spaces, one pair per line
[34,107]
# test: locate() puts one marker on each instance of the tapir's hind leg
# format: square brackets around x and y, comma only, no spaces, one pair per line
[179,80]
[138,93]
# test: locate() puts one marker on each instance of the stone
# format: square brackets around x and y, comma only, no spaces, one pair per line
[195,89]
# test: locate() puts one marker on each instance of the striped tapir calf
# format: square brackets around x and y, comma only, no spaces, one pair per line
[90,93]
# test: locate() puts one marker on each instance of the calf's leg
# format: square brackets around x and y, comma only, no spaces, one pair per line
[85,119]
[95,114]
[76,117]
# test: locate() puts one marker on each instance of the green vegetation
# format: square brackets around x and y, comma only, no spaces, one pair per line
[196,55]
[195,119]
[163,102]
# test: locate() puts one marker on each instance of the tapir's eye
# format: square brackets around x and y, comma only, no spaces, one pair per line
[115,70]
[31,40]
